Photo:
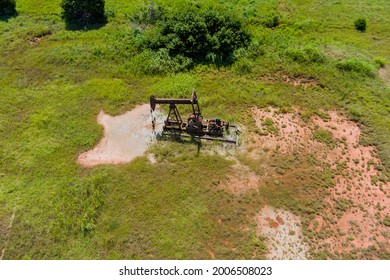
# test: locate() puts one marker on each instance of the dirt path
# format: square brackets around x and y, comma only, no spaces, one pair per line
[125,137]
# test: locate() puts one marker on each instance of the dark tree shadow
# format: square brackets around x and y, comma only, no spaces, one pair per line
[6,18]
[74,26]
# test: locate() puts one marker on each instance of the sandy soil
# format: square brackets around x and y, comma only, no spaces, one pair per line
[283,232]
[125,137]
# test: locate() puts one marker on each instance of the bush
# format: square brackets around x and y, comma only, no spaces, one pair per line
[380,61]
[386,221]
[271,21]
[83,12]
[148,14]
[308,54]
[7,7]
[323,136]
[202,36]
[355,65]
[360,24]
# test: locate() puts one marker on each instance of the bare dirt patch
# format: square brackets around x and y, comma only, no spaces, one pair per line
[125,137]
[296,81]
[383,73]
[282,229]
[359,199]
[240,179]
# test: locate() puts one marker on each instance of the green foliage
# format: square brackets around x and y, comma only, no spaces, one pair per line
[380,61]
[355,65]
[7,7]
[158,62]
[83,12]
[271,21]
[199,35]
[386,221]
[323,136]
[360,24]
[342,204]
[147,15]
[307,54]
[177,86]
[55,81]
[77,205]
[243,66]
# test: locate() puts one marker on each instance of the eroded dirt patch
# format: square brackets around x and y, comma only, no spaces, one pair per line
[240,179]
[383,73]
[125,137]
[296,81]
[358,198]
[282,229]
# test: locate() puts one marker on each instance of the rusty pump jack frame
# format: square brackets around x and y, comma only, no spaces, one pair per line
[195,126]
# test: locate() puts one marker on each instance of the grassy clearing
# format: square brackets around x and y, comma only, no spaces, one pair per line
[55,81]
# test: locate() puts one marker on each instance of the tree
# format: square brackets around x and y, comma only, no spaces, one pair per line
[83,12]
[7,7]
[200,35]
[360,24]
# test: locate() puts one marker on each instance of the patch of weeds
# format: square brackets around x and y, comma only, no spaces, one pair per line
[379,167]
[323,136]
[386,221]
[323,115]
[269,125]
[307,54]
[327,178]
[342,205]
[380,61]
[356,65]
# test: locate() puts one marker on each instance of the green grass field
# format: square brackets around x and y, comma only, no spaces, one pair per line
[54,81]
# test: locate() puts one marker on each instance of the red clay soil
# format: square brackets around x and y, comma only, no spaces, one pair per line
[358,202]
[272,222]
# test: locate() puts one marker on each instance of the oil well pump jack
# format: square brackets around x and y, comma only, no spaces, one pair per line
[195,126]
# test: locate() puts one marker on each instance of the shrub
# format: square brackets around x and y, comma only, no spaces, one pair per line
[83,12]
[7,7]
[360,24]
[307,54]
[323,135]
[380,61]
[148,14]
[355,65]
[271,21]
[386,221]
[199,35]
